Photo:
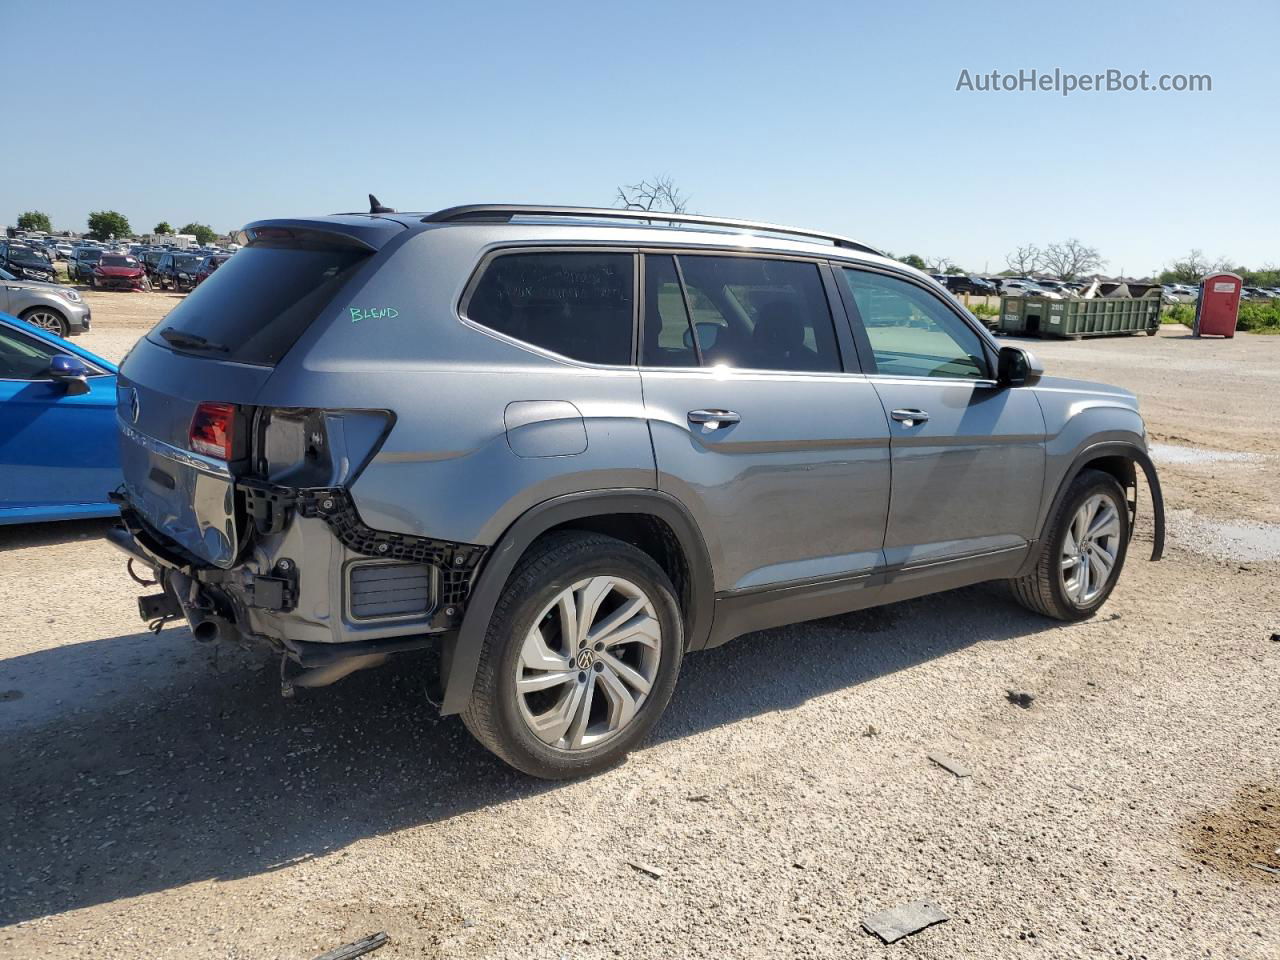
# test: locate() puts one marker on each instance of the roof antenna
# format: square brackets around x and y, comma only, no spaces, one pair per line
[376,207]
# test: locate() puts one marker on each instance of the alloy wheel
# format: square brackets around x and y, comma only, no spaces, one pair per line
[45,320]
[1089,549]
[588,663]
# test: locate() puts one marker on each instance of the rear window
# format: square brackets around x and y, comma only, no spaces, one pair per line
[257,305]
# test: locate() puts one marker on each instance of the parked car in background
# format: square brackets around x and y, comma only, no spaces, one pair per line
[54,307]
[207,265]
[774,429]
[150,258]
[83,260]
[176,271]
[119,271]
[1026,288]
[63,251]
[23,260]
[972,285]
[59,447]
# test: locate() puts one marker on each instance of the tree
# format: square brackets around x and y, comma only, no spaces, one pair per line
[1189,269]
[913,260]
[660,193]
[941,265]
[105,224]
[1071,258]
[203,233]
[162,228]
[1025,260]
[35,220]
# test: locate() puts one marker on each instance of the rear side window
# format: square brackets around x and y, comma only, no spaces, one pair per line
[257,304]
[668,338]
[578,305]
[760,314]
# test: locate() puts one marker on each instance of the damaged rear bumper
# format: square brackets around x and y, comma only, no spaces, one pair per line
[311,579]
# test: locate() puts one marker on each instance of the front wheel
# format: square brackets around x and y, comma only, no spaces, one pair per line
[1082,553]
[580,658]
[46,318]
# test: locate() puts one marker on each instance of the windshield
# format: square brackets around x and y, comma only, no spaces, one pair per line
[119,262]
[90,254]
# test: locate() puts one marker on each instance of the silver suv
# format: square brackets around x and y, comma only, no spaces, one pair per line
[565,448]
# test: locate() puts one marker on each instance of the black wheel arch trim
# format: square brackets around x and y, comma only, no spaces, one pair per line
[1111,448]
[461,655]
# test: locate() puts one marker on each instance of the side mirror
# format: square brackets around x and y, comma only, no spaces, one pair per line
[70,372]
[1018,367]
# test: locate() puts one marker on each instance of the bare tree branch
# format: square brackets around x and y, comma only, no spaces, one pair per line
[1071,258]
[1026,259]
[658,194]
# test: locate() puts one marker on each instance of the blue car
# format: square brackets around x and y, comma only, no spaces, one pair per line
[59,455]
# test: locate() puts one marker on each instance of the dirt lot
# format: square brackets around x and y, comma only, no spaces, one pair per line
[161,800]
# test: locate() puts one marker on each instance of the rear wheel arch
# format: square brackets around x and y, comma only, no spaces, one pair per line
[656,523]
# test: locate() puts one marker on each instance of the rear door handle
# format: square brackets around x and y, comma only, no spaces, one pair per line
[909,417]
[713,419]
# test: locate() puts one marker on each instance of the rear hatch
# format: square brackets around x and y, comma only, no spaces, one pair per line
[187,390]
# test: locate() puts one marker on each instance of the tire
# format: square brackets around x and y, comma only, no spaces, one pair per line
[47,318]
[584,686]
[1054,586]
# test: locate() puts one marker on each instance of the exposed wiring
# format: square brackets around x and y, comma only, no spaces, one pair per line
[137,579]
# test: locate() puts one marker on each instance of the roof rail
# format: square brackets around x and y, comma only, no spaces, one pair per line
[504,212]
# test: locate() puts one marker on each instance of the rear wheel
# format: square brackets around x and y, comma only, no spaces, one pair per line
[1083,553]
[580,658]
[46,318]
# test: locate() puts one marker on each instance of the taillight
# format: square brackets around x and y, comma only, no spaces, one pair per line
[213,430]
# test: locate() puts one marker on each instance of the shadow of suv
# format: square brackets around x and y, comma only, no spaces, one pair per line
[567,447]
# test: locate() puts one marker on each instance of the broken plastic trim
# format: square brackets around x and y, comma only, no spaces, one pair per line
[1157,503]
[270,506]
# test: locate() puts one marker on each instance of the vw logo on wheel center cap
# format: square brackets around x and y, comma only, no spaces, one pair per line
[584,659]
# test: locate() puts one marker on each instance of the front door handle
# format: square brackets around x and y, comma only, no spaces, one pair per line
[713,419]
[909,417]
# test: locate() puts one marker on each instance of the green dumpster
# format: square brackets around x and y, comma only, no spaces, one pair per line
[1076,318]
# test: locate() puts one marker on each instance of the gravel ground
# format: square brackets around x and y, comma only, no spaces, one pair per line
[163,801]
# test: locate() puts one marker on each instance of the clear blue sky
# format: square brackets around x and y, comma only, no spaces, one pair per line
[836,115]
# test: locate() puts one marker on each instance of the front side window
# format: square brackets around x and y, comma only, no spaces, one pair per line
[747,312]
[24,358]
[912,333]
[578,305]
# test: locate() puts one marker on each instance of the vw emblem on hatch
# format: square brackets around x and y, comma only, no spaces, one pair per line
[584,659]
[134,407]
